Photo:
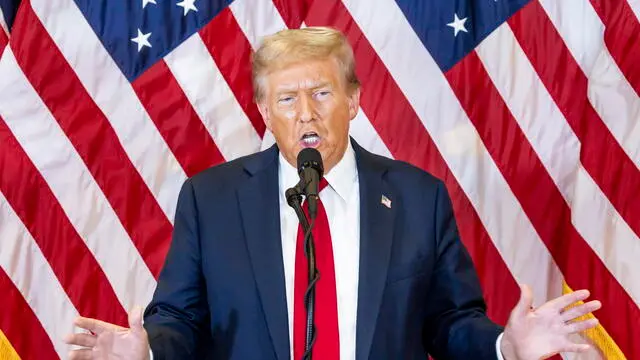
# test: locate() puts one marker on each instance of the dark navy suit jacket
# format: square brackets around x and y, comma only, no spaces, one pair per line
[221,293]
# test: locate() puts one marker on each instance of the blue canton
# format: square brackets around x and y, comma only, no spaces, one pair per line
[434,21]
[164,23]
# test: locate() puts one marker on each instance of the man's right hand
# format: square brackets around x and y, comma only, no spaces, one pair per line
[106,341]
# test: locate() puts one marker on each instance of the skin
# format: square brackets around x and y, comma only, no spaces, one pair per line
[310,97]
[541,333]
[106,341]
[313,96]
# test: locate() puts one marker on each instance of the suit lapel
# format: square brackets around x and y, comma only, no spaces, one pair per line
[260,209]
[376,234]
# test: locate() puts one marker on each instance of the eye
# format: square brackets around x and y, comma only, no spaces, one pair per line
[322,94]
[286,100]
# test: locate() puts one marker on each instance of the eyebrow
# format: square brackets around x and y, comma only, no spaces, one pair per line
[292,88]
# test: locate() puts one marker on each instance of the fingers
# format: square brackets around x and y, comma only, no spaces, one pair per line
[87,340]
[525,302]
[135,319]
[581,325]
[580,310]
[563,301]
[575,348]
[82,354]
[96,326]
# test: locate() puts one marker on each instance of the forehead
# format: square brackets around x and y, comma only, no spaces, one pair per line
[304,75]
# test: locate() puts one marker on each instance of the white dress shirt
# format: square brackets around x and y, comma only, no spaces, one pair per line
[341,200]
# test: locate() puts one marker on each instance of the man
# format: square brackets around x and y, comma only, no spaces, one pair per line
[396,281]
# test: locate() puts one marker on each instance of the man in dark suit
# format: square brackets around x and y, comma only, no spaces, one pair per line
[396,281]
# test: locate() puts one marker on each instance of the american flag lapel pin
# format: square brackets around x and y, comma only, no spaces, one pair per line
[385,201]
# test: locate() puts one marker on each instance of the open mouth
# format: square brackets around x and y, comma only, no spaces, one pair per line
[310,139]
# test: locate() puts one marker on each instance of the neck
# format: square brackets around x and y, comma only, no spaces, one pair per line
[329,165]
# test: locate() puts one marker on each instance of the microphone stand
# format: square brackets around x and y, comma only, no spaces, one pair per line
[294,199]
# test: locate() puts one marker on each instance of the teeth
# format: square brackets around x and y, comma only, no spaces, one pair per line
[310,139]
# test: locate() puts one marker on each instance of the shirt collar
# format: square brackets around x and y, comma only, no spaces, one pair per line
[341,178]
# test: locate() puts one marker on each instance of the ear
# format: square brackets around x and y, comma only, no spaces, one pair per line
[354,103]
[264,111]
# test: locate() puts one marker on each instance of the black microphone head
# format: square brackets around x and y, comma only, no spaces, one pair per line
[310,158]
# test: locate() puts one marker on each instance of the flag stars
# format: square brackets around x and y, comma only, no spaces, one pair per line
[187,5]
[458,25]
[142,40]
[146,2]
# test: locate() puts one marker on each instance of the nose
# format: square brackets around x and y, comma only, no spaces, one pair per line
[306,110]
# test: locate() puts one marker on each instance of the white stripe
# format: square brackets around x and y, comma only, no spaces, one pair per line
[267,140]
[115,96]
[213,100]
[26,266]
[430,95]
[367,136]
[3,23]
[609,91]
[607,233]
[258,19]
[73,186]
[550,135]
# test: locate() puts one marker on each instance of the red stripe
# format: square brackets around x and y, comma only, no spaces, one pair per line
[232,54]
[622,36]
[31,198]
[383,102]
[601,155]
[543,203]
[93,138]
[21,326]
[176,119]
[293,12]
[4,40]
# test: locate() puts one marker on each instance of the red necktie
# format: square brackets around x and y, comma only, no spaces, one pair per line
[326,345]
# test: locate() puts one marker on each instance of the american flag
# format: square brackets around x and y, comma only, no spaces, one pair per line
[529,110]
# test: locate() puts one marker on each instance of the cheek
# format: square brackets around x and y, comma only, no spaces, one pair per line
[339,117]
[290,115]
[284,124]
[326,109]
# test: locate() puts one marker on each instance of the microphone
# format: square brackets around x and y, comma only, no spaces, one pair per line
[310,169]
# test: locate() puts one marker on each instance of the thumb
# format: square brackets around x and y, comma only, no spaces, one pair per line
[135,319]
[526,301]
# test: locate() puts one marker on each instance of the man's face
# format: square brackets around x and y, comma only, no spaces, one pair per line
[308,105]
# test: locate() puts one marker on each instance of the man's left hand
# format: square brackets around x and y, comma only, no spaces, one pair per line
[533,334]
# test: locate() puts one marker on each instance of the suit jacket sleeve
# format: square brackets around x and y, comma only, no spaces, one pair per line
[456,324]
[177,317]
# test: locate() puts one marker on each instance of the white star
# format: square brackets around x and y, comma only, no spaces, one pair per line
[457,25]
[142,40]
[145,2]
[187,5]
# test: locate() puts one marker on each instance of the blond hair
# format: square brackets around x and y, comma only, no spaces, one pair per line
[291,46]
